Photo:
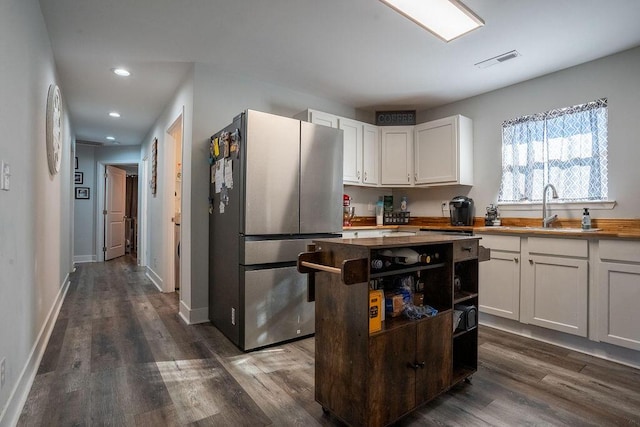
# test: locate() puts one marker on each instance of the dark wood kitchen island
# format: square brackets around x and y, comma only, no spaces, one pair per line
[373,379]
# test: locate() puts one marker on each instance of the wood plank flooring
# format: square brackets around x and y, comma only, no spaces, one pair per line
[120,355]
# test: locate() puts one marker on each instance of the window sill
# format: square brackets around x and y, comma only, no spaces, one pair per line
[530,206]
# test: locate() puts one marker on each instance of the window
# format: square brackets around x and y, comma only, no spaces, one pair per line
[566,147]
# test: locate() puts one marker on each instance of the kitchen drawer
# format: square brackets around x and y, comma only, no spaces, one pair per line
[619,250]
[500,243]
[558,246]
[465,250]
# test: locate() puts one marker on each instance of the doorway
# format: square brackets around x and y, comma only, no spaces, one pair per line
[173,201]
[117,198]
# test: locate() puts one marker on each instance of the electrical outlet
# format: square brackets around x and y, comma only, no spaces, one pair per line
[2,372]
[445,205]
[370,207]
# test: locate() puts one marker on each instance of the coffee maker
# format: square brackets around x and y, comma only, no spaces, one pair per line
[461,211]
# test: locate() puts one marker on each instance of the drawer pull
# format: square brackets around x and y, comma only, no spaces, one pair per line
[467,248]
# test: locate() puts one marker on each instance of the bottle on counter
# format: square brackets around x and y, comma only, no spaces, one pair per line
[586,219]
[379,211]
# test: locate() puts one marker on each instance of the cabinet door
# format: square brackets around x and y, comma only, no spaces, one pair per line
[554,293]
[352,172]
[618,304]
[397,154]
[434,350]
[370,155]
[499,283]
[325,119]
[392,379]
[436,157]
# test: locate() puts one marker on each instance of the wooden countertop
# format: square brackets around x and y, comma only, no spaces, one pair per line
[618,229]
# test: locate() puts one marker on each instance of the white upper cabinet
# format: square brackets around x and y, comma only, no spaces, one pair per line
[352,129]
[320,118]
[370,155]
[444,152]
[397,154]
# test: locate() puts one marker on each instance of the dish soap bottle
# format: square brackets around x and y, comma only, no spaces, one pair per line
[586,219]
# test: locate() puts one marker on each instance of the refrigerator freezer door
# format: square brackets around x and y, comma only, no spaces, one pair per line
[272,198]
[321,166]
[276,307]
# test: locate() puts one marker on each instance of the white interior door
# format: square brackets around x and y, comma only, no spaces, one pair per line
[115,185]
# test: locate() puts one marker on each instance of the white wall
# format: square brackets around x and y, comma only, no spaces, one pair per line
[84,225]
[614,77]
[36,214]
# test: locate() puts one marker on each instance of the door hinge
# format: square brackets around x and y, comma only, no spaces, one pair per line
[104,249]
[106,175]
[104,212]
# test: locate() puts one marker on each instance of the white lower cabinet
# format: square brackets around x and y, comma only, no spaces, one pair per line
[555,281]
[499,278]
[619,293]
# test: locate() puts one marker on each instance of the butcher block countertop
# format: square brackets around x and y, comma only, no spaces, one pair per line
[601,228]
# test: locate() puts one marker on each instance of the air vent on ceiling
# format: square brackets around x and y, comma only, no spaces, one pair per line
[497,59]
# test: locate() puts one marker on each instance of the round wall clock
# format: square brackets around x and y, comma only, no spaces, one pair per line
[54,129]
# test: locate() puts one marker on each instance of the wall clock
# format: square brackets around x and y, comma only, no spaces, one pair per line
[54,129]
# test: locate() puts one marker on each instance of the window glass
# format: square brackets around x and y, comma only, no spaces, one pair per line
[566,147]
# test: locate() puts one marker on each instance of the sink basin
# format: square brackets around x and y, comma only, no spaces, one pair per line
[550,229]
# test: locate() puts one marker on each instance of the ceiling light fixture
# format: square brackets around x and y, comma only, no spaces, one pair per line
[446,19]
[122,72]
[114,114]
[498,59]
[111,138]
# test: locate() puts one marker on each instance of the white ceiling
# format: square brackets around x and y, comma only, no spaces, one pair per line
[356,52]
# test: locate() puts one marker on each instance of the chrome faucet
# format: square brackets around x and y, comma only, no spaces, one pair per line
[546,220]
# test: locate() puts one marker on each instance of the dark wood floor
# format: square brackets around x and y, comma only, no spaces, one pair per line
[119,355]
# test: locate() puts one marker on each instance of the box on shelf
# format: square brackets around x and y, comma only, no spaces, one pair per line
[376,310]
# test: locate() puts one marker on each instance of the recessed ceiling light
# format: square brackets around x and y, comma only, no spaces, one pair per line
[121,72]
[446,19]
[114,114]
[111,138]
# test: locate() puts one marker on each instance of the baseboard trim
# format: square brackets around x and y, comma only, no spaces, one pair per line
[191,317]
[155,279]
[84,258]
[601,350]
[20,392]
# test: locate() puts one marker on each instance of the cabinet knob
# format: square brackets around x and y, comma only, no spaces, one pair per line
[531,261]
[408,177]
[416,365]
[516,259]
[358,174]
[365,176]
[415,176]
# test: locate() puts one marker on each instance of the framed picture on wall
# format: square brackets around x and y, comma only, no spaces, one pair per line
[79,178]
[82,193]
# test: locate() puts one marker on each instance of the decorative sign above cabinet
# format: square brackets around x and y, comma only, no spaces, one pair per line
[396,118]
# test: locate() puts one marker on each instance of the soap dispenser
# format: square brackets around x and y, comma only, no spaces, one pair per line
[586,219]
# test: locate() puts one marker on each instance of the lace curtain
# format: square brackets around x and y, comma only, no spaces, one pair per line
[566,147]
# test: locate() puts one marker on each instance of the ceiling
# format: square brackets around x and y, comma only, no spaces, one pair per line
[358,52]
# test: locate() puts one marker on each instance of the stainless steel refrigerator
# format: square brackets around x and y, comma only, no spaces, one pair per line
[275,184]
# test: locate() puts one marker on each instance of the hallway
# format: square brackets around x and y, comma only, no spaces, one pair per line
[119,355]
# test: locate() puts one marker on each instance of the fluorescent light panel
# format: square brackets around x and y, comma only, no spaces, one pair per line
[447,19]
